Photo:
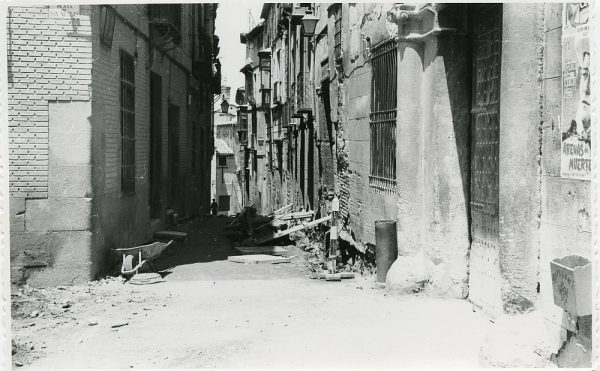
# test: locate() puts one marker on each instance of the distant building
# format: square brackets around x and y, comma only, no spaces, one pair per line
[110,119]
[226,123]
[228,192]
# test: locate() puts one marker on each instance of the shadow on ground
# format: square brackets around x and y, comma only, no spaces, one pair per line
[203,256]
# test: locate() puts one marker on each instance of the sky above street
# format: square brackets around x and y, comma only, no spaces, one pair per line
[232,19]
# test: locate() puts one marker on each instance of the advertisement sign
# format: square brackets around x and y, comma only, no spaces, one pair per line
[576,124]
[63,11]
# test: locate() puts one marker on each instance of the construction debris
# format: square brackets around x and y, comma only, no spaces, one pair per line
[275,236]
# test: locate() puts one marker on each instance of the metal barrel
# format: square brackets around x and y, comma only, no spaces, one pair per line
[386,243]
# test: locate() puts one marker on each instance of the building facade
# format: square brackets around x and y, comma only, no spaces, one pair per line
[466,124]
[110,120]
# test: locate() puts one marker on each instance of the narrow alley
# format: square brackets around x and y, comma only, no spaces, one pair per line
[210,312]
[311,185]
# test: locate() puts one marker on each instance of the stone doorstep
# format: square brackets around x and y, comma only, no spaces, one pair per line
[258,258]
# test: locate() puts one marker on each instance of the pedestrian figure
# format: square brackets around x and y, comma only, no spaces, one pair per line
[214,207]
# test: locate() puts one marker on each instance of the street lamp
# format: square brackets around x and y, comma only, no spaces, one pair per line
[309,23]
[224,106]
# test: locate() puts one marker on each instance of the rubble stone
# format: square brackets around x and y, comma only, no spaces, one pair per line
[407,274]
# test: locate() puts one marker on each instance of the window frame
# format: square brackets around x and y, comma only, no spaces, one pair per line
[383,114]
[337,33]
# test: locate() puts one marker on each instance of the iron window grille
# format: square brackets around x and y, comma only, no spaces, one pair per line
[107,25]
[127,110]
[383,116]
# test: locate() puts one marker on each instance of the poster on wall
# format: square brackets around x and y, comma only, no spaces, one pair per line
[576,124]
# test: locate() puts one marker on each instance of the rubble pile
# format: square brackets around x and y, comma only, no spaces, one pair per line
[350,259]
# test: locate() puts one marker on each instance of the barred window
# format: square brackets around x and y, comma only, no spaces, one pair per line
[127,123]
[338,32]
[383,116]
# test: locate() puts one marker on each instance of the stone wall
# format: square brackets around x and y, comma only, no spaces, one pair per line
[565,223]
[67,208]
[50,135]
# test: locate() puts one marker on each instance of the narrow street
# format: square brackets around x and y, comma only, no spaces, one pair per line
[210,312]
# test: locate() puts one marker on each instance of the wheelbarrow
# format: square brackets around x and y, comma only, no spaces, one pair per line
[135,258]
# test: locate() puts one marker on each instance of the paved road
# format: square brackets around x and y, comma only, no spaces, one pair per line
[215,313]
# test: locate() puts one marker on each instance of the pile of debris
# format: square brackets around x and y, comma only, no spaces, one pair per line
[262,239]
[259,230]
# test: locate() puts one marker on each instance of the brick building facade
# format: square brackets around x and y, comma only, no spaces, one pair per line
[443,117]
[110,122]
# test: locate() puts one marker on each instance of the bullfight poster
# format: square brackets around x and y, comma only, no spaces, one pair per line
[576,123]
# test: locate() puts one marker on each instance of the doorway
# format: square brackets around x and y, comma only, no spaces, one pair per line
[173,155]
[484,282]
[155,145]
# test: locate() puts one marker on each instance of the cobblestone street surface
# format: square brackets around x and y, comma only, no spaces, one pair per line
[210,312]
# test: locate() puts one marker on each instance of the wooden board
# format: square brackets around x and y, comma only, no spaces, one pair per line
[277,235]
[258,258]
[267,250]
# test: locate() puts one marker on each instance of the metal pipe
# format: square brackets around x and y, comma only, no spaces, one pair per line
[386,242]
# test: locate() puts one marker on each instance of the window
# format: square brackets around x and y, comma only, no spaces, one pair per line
[383,116]
[127,123]
[223,203]
[222,160]
[107,25]
[337,36]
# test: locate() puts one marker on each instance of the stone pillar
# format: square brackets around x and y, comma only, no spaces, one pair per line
[521,98]
[432,160]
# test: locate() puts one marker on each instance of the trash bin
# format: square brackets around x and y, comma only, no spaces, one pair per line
[386,247]
[572,284]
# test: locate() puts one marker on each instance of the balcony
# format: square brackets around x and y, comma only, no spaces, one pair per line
[216,78]
[166,18]
[266,98]
[304,97]
[242,137]
[293,101]
[277,96]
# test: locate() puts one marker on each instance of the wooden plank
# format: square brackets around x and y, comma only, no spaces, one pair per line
[267,250]
[259,258]
[298,215]
[297,228]
[283,209]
